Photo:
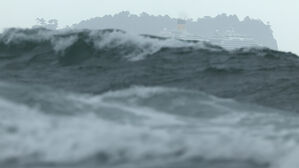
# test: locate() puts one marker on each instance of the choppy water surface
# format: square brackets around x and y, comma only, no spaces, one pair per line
[89,99]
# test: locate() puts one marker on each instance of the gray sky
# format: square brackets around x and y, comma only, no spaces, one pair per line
[282,14]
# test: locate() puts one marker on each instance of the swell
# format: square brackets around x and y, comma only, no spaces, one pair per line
[112,45]
[99,61]
[75,47]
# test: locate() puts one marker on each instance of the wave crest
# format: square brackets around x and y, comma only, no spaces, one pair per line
[73,47]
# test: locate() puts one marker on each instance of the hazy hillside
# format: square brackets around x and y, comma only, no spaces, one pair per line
[205,27]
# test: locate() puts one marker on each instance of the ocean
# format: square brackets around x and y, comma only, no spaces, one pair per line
[110,99]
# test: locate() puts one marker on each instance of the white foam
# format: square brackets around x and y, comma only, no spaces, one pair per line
[290,160]
[60,44]
[143,45]
[135,47]
[57,138]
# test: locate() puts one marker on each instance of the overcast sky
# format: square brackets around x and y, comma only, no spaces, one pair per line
[283,15]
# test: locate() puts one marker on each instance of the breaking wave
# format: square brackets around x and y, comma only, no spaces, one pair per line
[73,47]
[154,126]
[86,99]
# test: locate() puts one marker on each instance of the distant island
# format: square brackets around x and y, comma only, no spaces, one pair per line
[206,27]
[221,30]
